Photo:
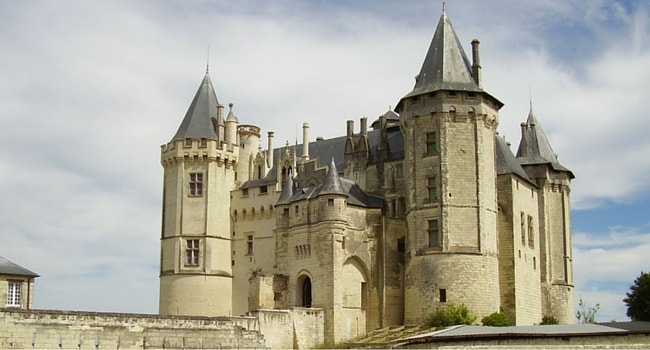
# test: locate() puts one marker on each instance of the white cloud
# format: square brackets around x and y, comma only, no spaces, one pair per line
[605,267]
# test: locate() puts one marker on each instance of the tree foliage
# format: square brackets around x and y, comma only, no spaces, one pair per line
[638,299]
[496,319]
[450,315]
[549,319]
[586,314]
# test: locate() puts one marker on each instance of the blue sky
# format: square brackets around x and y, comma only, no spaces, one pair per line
[91,89]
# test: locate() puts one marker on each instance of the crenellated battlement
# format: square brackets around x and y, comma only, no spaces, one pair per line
[249,130]
[202,149]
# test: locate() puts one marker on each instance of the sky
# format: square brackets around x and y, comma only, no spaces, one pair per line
[89,90]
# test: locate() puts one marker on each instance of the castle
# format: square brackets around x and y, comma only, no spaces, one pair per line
[425,206]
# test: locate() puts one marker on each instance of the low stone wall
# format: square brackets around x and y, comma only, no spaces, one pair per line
[295,328]
[47,329]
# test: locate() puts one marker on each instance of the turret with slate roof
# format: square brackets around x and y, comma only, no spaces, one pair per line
[534,147]
[449,126]
[537,158]
[200,163]
[204,117]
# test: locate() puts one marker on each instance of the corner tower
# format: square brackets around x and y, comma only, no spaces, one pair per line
[449,126]
[199,172]
[554,205]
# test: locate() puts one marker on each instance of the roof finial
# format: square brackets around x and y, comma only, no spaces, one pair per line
[443,7]
[207,64]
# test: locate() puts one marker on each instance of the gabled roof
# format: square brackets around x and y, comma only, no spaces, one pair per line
[534,147]
[200,121]
[9,268]
[446,66]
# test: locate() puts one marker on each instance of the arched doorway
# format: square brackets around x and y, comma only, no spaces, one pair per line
[306,292]
[304,298]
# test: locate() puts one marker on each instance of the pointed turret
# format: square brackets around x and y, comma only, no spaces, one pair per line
[534,147]
[332,183]
[201,119]
[287,190]
[446,67]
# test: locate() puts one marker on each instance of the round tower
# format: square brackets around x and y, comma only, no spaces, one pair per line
[199,173]
[449,127]
[249,146]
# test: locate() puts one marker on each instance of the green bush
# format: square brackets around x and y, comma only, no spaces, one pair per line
[496,319]
[548,319]
[450,315]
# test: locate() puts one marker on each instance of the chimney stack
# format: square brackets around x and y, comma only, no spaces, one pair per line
[305,142]
[270,150]
[476,62]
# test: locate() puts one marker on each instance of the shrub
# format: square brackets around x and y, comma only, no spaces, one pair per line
[496,319]
[548,319]
[450,315]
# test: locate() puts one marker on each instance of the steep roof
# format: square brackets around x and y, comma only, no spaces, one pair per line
[332,183]
[9,268]
[534,147]
[446,66]
[287,190]
[506,161]
[200,121]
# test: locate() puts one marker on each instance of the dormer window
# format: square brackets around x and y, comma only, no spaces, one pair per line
[188,142]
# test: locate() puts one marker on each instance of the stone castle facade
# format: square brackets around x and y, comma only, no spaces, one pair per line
[425,206]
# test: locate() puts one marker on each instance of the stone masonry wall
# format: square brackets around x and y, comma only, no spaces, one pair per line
[47,329]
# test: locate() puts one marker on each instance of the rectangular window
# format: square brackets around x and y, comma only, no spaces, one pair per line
[400,170]
[531,237]
[264,189]
[432,143]
[192,253]
[249,243]
[244,192]
[330,202]
[443,295]
[401,245]
[432,190]
[196,184]
[188,143]
[523,229]
[204,143]
[434,233]
[14,293]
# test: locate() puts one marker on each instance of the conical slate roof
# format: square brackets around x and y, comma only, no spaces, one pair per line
[534,147]
[445,67]
[201,118]
[332,183]
[287,190]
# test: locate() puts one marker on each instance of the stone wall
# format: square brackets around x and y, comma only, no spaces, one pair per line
[47,329]
[296,328]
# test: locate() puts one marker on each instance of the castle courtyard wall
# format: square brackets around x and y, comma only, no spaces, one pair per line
[47,329]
